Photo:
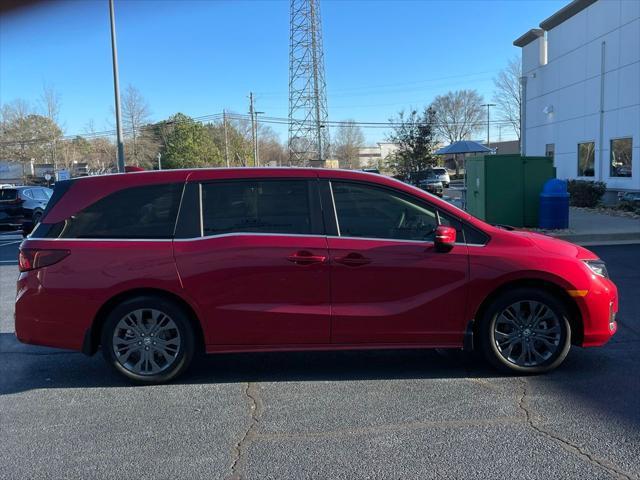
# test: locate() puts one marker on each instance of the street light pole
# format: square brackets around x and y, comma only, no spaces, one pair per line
[488,105]
[116,88]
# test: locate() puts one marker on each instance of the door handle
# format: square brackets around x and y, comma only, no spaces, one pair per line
[353,260]
[304,257]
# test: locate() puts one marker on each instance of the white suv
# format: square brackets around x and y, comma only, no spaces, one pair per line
[441,174]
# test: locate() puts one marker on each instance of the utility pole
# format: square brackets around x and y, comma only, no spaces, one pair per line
[256,113]
[488,105]
[116,88]
[226,138]
[253,130]
[159,161]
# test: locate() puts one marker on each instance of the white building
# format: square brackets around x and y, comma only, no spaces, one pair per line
[374,157]
[581,85]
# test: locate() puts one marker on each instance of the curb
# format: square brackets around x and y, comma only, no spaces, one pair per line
[622,238]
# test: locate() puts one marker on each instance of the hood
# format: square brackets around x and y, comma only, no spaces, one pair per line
[556,246]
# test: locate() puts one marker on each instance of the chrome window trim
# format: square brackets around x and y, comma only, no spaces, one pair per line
[333,202]
[101,239]
[242,234]
[201,210]
[249,234]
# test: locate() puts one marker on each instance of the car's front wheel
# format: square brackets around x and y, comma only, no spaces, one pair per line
[148,339]
[526,330]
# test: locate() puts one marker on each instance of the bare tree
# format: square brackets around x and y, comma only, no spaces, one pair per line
[457,116]
[508,93]
[49,102]
[347,143]
[135,114]
[49,105]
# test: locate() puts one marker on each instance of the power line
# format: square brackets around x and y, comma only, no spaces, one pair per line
[239,117]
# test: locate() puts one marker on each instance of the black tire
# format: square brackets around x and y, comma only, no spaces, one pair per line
[36,217]
[500,356]
[179,331]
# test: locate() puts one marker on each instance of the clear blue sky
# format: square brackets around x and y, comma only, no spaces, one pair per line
[198,57]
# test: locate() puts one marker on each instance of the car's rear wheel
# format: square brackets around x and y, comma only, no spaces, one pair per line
[36,217]
[148,339]
[525,330]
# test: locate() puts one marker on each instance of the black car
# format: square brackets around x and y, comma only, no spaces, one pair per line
[20,205]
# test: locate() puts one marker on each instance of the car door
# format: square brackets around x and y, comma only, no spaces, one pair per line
[258,266]
[388,283]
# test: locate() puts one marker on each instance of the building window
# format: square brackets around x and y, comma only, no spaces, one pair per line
[550,150]
[621,149]
[586,159]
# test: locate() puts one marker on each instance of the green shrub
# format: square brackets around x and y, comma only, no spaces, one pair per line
[583,193]
[628,206]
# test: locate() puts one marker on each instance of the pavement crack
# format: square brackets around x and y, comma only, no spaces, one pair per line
[523,404]
[241,448]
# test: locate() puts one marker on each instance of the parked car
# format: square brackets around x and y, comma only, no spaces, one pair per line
[631,197]
[19,205]
[155,266]
[440,173]
[432,185]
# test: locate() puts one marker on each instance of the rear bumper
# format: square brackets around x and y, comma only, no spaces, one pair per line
[43,318]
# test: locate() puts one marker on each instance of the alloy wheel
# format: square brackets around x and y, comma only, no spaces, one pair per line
[527,333]
[146,341]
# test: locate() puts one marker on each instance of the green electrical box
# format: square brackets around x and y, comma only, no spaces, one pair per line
[505,189]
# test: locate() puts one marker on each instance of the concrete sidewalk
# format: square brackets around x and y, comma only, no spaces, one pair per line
[594,228]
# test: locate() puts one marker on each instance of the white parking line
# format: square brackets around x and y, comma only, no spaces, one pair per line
[9,261]
[9,243]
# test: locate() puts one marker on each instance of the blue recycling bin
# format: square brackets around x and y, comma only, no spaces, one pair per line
[554,205]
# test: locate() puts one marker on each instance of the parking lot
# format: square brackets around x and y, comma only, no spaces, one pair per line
[391,414]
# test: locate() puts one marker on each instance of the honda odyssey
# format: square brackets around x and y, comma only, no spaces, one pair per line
[152,267]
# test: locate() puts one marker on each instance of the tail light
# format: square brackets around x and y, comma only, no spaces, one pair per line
[33,258]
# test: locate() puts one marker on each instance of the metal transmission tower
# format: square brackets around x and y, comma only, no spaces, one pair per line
[308,132]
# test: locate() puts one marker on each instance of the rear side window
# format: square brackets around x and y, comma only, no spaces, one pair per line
[252,206]
[38,194]
[138,212]
[8,194]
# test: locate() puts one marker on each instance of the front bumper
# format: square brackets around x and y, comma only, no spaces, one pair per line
[599,309]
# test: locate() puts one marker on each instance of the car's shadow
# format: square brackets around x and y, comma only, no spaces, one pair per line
[25,367]
[596,377]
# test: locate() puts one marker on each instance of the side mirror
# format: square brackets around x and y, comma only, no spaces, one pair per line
[445,238]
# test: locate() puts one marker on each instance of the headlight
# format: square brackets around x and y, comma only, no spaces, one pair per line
[598,267]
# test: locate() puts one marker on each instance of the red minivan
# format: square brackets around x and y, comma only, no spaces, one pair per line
[155,266]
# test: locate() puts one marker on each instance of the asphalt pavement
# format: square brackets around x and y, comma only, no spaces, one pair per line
[390,414]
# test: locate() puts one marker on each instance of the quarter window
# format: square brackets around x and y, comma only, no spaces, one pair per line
[621,149]
[249,206]
[372,212]
[38,194]
[139,212]
[586,159]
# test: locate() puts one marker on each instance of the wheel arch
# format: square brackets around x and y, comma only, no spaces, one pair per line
[575,317]
[92,335]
